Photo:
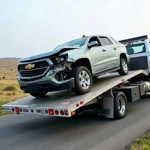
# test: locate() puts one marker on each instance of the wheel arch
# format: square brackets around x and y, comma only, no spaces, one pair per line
[83,62]
[123,55]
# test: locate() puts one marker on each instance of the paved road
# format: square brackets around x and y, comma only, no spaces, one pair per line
[85,132]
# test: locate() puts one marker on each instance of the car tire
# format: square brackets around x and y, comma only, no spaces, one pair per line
[120,105]
[82,79]
[124,69]
[38,95]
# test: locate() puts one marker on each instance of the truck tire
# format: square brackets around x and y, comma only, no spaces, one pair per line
[120,105]
[82,79]
[124,69]
[38,95]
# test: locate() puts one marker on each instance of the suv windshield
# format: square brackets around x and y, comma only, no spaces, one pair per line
[136,48]
[77,43]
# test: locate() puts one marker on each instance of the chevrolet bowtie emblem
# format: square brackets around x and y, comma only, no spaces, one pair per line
[29,66]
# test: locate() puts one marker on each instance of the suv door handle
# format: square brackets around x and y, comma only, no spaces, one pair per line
[104,50]
[115,48]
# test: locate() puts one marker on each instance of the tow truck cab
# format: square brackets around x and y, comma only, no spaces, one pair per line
[138,49]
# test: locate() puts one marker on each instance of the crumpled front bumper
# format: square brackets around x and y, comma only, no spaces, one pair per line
[45,84]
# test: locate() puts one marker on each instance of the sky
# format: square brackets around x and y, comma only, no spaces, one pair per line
[30,27]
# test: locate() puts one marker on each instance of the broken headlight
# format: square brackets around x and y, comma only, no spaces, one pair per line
[62,58]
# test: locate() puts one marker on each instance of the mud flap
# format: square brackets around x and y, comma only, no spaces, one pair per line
[108,105]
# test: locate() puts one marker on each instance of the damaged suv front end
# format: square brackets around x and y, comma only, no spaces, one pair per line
[43,77]
[47,72]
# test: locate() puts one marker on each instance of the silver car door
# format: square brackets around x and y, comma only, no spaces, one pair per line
[98,56]
[112,52]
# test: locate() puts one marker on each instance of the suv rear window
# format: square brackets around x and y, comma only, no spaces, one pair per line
[136,49]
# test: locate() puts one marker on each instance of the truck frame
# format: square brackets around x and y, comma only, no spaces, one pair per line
[104,98]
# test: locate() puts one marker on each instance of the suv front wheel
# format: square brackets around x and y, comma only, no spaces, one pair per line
[83,80]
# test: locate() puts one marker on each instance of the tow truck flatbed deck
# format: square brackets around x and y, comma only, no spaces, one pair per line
[66,100]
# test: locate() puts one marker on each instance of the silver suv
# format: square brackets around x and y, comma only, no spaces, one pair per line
[73,64]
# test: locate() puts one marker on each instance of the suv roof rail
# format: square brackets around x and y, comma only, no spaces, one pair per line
[135,39]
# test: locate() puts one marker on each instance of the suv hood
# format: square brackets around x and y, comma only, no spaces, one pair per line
[55,52]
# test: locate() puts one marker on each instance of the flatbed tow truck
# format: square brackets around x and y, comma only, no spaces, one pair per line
[108,97]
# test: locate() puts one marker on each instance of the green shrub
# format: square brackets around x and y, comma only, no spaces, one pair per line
[145,147]
[13,93]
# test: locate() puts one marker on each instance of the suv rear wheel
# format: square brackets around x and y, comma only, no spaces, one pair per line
[123,67]
[38,95]
[83,80]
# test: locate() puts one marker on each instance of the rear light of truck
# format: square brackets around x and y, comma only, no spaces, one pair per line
[73,113]
[77,105]
[81,102]
[17,110]
[62,112]
[66,112]
[56,112]
[51,112]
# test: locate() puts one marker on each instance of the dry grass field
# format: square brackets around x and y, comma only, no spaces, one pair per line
[9,87]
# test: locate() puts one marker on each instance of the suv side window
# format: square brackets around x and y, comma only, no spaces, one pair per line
[95,39]
[105,41]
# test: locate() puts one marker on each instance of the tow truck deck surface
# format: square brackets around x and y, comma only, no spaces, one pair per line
[64,103]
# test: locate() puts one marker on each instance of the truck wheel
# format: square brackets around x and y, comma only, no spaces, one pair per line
[38,95]
[83,80]
[123,67]
[120,105]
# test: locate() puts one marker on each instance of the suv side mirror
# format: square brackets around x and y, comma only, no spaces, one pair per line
[92,44]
